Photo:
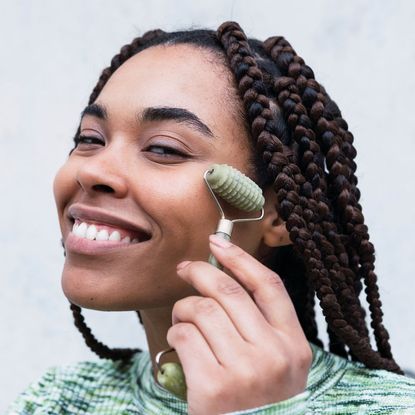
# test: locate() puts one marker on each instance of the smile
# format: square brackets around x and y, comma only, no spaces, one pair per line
[100,232]
[95,238]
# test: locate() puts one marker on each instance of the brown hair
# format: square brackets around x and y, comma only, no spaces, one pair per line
[302,147]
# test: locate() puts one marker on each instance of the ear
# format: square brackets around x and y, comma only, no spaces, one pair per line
[273,227]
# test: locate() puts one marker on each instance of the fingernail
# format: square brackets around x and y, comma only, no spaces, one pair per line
[217,240]
[181,265]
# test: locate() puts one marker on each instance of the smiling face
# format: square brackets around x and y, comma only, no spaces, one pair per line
[130,168]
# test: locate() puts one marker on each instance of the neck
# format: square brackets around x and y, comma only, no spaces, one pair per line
[157,322]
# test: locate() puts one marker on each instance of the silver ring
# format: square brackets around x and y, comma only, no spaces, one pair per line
[158,357]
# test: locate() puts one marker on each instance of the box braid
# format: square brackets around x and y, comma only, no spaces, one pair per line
[321,211]
[297,119]
[337,144]
[315,233]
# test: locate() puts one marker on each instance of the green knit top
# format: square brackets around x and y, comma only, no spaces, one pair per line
[335,385]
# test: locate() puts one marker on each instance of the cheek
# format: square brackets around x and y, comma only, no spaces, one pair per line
[63,185]
[180,201]
[63,189]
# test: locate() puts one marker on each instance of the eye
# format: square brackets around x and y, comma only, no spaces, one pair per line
[165,151]
[88,140]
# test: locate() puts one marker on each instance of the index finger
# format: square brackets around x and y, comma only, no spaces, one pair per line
[266,286]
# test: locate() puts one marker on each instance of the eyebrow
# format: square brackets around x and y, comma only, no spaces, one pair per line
[179,115]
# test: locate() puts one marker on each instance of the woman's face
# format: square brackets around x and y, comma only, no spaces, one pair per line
[127,171]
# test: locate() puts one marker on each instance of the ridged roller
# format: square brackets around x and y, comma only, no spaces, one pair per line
[234,187]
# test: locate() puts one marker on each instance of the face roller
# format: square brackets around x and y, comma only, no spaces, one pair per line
[242,193]
[236,189]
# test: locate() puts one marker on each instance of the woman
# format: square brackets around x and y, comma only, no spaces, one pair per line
[134,210]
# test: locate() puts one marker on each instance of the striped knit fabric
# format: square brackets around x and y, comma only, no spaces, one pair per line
[334,386]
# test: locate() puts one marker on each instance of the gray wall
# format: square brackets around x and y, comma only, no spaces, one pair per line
[52,53]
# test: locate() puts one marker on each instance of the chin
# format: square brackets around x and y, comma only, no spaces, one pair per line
[91,299]
[90,289]
[109,291]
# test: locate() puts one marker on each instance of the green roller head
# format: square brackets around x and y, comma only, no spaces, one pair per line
[234,187]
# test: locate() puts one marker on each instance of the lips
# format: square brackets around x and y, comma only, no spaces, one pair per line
[90,214]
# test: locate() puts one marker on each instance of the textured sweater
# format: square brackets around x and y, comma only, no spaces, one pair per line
[335,385]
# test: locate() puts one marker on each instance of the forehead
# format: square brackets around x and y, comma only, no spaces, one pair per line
[178,76]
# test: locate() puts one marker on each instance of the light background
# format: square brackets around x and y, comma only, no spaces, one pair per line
[52,54]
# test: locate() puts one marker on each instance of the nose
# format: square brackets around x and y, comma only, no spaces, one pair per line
[103,173]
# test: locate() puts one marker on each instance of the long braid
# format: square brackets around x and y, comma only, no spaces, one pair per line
[257,105]
[325,230]
[337,142]
[289,265]
[297,118]
[257,109]
[304,233]
[310,311]
[356,285]
[277,48]
[96,346]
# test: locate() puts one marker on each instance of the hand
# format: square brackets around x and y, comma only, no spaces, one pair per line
[240,343]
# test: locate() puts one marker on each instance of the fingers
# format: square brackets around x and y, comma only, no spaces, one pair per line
[214,325]
[193,351]
[232,297]
[265,286]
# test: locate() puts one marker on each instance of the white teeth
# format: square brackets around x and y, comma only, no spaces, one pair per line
[102,235]
[81,230]
[115,236]
[91,232]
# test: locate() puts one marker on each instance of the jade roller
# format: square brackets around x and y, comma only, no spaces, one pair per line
[236,189]
[241,192]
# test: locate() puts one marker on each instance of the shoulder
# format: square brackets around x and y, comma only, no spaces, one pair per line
[363,390]
[380,386]
[77,388]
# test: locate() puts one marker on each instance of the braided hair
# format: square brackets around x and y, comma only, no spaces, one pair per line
[301,147]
